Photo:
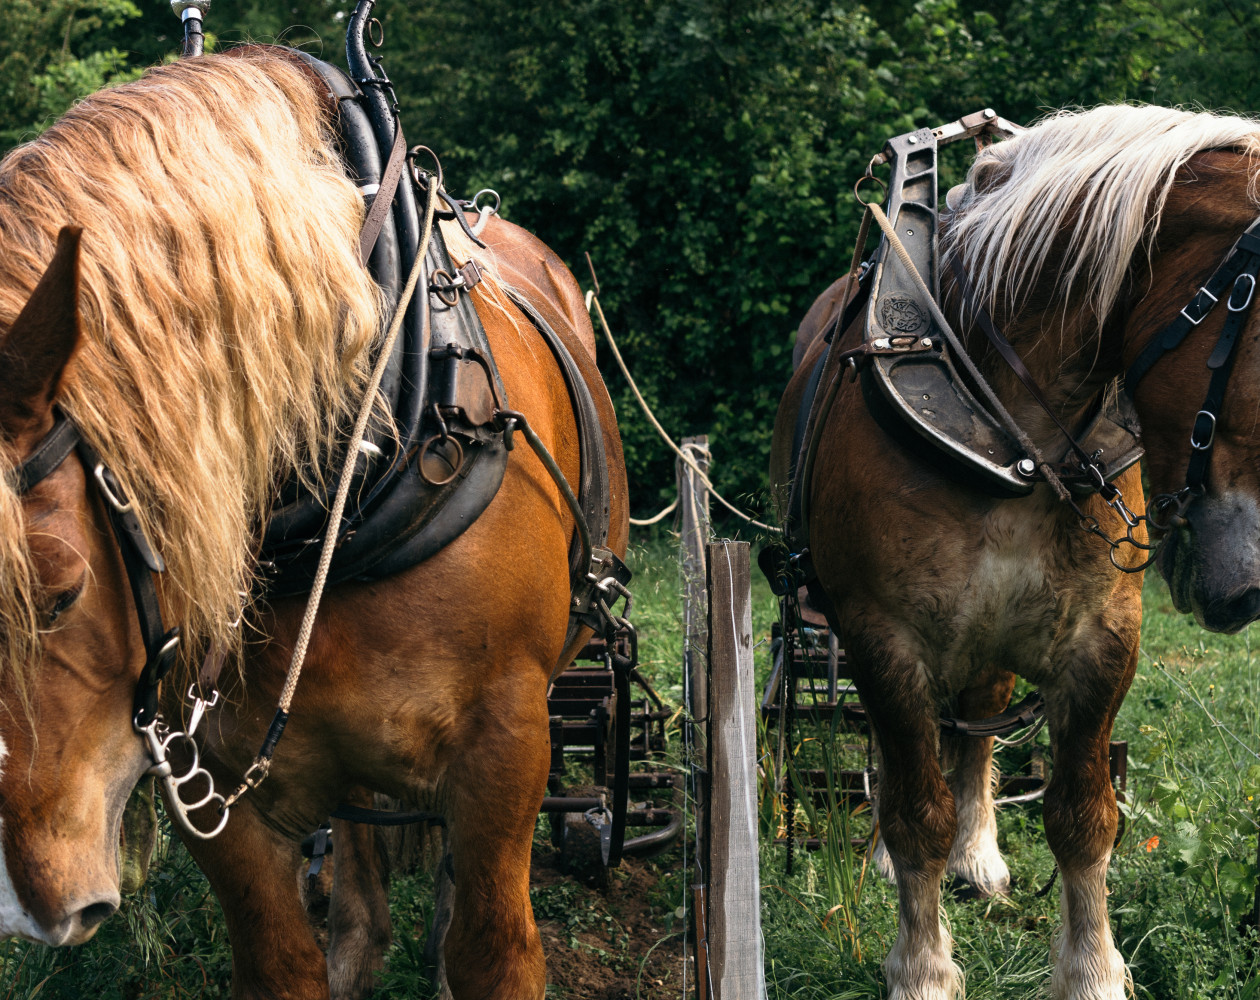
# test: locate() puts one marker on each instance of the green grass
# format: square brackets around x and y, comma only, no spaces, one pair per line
[1192,720]
[1182,879]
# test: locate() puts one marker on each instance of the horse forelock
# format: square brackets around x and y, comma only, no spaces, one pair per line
[1092,184]
[225,313]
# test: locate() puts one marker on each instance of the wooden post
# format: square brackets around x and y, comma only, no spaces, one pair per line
[693,510]
[735,956]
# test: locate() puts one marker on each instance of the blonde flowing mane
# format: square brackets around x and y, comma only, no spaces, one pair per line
[1107,170]
[225,313]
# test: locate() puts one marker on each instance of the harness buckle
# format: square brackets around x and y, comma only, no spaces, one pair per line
[1251,290]
[1203,429]
[1202,310]
[108,485]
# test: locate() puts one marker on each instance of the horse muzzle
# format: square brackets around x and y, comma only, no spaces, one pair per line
[80,922]
[1211,562]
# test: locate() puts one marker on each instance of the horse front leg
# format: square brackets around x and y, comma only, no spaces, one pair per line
[493,790]
[974,859]
[250,867]
[916,822]
[1080,817]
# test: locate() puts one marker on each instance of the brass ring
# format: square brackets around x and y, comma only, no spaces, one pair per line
[415,170]
[857,189]
[441,290]
[377,36]
[456,463]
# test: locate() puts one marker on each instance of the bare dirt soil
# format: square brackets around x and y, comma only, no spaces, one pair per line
[608,935]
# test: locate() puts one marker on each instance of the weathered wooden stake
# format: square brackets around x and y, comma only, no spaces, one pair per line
[693,521]
[735,950]
[693,508]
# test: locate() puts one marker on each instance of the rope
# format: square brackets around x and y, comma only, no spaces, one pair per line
[644,522]
[261,766]
[592,298]
[347,471]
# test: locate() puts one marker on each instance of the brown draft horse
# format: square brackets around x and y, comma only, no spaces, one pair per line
[1085,235]
[206,334]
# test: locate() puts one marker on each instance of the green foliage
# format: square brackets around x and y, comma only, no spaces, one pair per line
[43,65]
[702,152]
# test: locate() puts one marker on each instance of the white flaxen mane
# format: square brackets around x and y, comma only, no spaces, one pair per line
[1106,172]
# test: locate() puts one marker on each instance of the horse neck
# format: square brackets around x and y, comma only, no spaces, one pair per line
[1069,358]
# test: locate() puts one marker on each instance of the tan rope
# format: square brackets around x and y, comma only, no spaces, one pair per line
[261,766]
[647,410]
[352,455]
[644,522]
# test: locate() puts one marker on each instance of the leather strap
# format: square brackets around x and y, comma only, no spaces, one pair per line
[141,562]
[382,817]
[1015,717]
[1197,309]
[1016,364]
[383,199]
[48,454]
[1221,364]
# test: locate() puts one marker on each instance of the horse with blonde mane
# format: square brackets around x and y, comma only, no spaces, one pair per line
[1083,237]
[180,281]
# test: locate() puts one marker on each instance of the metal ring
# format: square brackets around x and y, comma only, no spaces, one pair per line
[450,285]
[457,465]
[857,192]
[415,170]
[100,472]
[372,35]
[1211,431]
[477,197]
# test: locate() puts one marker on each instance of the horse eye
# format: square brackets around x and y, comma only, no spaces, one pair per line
[61,604]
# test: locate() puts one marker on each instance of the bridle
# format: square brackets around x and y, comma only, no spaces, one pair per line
[161,645]
[1235,278]
[1237,274]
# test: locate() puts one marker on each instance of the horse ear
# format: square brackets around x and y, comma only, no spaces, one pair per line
[44,336]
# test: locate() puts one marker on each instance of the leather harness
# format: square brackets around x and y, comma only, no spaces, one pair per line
[903,358]
[416,491]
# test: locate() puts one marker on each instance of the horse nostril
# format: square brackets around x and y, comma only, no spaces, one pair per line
[95,914]
[1232,614]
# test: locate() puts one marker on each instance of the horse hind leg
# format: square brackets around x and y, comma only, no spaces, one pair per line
[974,859]
[975,862]
[358,914]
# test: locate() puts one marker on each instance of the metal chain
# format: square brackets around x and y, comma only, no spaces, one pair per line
[1164,511]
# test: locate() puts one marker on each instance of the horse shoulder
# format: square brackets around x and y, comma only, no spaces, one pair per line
[531,267]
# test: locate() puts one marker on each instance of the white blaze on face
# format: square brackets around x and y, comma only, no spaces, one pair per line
[14,920]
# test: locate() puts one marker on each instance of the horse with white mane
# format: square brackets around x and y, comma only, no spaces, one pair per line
[1083,237]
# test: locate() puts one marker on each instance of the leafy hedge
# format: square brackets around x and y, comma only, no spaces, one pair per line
[703,152]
